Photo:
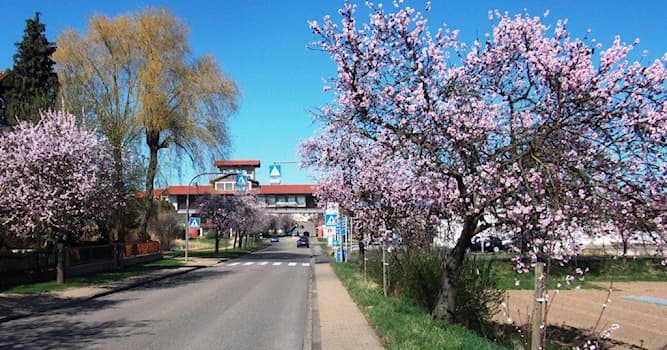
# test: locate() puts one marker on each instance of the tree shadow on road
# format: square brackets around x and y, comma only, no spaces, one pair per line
[57,332]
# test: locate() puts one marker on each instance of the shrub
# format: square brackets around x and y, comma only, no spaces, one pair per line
[478,298]
[416,275]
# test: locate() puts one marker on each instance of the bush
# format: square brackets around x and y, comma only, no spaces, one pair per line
[416,275]
[478,297]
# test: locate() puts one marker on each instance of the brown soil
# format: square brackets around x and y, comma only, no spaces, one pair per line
[642,325]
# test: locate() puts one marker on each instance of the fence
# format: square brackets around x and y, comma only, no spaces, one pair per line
[40,265]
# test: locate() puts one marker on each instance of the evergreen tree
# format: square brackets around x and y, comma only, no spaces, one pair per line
[32,84]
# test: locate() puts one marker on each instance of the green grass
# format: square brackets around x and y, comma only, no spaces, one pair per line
[209,252]
[402,325]
[601,270]
[99,278]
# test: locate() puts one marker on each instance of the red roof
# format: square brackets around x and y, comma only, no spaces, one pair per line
[287,189]
[183,190]
[237,163]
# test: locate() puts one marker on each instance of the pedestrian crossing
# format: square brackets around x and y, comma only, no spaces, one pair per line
[264,263]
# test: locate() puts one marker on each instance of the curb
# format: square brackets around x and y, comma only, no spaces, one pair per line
[134,284]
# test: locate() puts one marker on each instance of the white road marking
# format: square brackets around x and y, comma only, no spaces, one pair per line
[305,264]
[263,263]
[234,264]
[277,263]
[291,264]
[248,263]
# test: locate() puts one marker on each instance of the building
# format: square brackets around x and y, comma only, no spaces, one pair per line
[297,200]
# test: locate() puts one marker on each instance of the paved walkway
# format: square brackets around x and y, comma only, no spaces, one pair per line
[342,325]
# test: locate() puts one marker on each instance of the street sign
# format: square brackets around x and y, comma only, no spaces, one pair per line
[241,182]
[331,220]
[194,223]
[274,170]
[343,226]
[332,208]
[329,231]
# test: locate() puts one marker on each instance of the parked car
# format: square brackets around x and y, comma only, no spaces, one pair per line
[275,239]
[491,244]
[303,242]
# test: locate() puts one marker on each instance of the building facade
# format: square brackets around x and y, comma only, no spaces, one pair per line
[296,200]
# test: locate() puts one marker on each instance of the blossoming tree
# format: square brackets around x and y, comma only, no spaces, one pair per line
[531,132]
[54,181]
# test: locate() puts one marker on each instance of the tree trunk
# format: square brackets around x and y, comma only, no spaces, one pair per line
[445,306]
[60,266]
[235,238]
[118,218]
[217,242]
[153,142]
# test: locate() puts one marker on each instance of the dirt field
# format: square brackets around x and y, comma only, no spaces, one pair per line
[641,324]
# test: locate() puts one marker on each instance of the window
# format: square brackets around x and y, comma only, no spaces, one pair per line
[301,200]
[224,186]
[261,200]
[271,200]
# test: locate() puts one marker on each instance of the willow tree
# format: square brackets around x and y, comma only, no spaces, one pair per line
[148,84]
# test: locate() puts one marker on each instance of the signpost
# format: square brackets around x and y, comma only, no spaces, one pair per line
[331,223]
[275,171]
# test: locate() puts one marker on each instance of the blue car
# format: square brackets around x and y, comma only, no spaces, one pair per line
[303,242]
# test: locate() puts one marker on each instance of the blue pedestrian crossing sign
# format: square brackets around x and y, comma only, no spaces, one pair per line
[330,220]
[195,223]
[241,182]
[274,170]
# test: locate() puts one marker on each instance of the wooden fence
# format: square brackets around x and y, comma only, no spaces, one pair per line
[34,266]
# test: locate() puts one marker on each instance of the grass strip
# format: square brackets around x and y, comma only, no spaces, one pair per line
[600,270]
[402,325]
[94,279]
[222,254]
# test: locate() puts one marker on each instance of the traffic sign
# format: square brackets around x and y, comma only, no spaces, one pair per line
[332,208]
[331,220]
[343,226]
[241,182]
[194,223]
[274,170]
[329,231]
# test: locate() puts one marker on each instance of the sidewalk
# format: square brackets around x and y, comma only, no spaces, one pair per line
[342,325]
[13,306]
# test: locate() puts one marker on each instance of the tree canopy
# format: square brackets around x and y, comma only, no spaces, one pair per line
[136,76]
[31,85]
[54,182]
[530,132]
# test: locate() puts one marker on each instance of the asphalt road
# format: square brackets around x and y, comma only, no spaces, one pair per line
[256,302]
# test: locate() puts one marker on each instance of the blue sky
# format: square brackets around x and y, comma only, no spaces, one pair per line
[262,45]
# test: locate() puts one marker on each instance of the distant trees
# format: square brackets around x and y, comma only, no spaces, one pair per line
[31,85]
[136,78]
[54,181]
[530,131]
[239,213]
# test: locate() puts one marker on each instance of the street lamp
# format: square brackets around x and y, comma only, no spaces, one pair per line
[187,207]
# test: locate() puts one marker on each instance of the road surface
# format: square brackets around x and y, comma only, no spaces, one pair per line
[255,302]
